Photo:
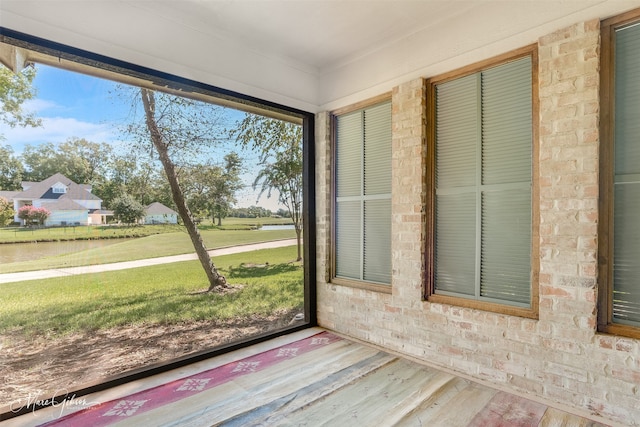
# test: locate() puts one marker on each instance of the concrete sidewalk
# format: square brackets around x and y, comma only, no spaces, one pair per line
[71,271]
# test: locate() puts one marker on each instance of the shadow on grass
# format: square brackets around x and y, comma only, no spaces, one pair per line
[259,270]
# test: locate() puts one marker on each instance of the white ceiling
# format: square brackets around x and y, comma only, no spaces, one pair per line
[310,54]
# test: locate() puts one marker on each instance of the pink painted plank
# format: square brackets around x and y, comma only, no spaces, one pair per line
[119,409]
[508,410]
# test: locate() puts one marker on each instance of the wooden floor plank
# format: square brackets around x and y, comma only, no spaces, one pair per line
[457,405]
[265,386]
[424,398]
[508,410]
[370,399]
[315,392]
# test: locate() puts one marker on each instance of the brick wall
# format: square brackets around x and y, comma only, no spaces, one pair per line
[559,357]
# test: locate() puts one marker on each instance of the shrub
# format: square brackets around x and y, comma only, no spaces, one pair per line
[32,214]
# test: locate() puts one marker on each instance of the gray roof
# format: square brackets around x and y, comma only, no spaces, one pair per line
[8,194]
[64,205]
[42,190]
[157,208]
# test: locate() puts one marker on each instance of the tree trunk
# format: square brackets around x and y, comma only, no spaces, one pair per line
[215,279]
[298,228]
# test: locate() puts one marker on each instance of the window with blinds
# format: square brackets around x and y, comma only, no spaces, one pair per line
[362,230]
[482,185]
[620,196]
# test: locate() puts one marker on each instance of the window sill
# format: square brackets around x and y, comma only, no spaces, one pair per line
[620,330]
[374,287]
[531,313]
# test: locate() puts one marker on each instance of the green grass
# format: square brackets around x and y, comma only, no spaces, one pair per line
[243,223]
[152,246]
[53,234]
[153,295]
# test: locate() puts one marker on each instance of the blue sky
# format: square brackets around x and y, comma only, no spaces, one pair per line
[70,105]
[74,105]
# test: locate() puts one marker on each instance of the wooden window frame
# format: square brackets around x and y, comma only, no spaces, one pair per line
[607,155]
[353,283]
[429,280]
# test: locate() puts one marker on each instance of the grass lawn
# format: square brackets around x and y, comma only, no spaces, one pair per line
[153,295]
[243,223]
[174,243]
[52,234]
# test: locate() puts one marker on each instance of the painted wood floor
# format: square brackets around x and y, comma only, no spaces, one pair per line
[310,378]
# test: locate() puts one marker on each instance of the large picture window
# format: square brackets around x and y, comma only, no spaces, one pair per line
[113,224]
[619,245]
[481,186]
[362,205]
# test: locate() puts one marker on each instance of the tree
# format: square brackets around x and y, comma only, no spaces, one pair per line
[6,212]
[279,145]
[127,209]
[15,90]
[211,189]
[40,161]
[82,161]
[283,213]
[174,124]
[11,169]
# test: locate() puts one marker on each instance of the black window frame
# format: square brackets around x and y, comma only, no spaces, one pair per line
[103,66]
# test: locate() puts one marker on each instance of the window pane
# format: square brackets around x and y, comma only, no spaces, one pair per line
[377,150]
[363,195]
[377,240]
[626,269]
[114,284]
[506,123]
[457,132]
[349,239]
[455,243]
[627,104]
[349,155]
[485,121]
[506,245]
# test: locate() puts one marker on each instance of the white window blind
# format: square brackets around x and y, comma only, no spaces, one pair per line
[363,195]
[483,185]
[626,224]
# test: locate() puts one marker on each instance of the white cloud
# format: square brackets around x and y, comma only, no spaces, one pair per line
[37,106]
[56,130]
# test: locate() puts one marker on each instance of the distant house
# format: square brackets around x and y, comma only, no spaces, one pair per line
[69,203]
[157,213]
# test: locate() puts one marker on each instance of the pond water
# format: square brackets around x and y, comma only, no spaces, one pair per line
[277,227]
[16,252]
